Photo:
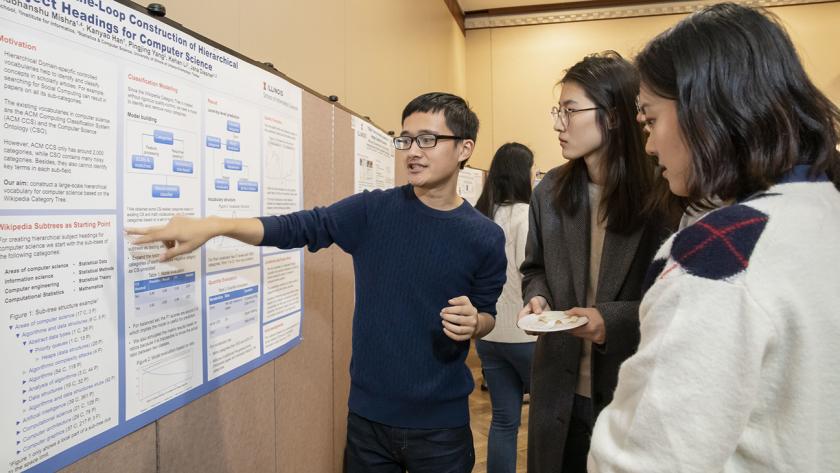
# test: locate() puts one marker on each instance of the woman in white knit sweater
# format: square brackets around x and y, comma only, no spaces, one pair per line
[741,324]
[506,352]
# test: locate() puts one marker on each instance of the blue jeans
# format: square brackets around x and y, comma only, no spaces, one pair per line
[378,448]
[507,371]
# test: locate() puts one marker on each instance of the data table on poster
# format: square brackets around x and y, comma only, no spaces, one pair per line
[232,310]
[113,119]
[169,291]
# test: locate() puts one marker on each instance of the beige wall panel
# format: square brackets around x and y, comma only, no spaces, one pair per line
[459,62]
[343,288]
[525,63]
[230,429]
[447,65]
[304,40]
[215,19]
[480,93]
[303,377]
[814,31]
[134,453]
[396,50]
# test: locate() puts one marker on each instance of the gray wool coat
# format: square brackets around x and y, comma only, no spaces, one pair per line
[556,267]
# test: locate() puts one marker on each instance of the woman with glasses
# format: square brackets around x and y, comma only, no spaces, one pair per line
[506,352]
[595,224]
[734,371]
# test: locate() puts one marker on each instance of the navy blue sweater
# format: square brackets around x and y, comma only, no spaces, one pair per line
[409,260]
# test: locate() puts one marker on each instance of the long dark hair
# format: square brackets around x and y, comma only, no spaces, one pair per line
[509,178]
[747,109]
[612,83]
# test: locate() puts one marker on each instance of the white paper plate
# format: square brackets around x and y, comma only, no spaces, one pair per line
[532,322]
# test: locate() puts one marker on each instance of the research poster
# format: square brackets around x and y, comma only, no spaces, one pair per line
[112,119]
[374,157]
[470,184]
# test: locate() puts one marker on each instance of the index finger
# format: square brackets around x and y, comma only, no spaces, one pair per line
[460,300]
[576,311]
[146,235]
[140,230]
[457,310]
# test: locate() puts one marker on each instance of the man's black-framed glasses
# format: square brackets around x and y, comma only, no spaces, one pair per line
[426,140]
[564,114]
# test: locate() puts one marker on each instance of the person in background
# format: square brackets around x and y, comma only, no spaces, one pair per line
[429,269]
[595,224]
[506,352]
[739,330]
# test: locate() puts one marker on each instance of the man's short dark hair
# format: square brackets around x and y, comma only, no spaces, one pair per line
[459,117]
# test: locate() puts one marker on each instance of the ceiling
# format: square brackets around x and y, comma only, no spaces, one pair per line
[472,5]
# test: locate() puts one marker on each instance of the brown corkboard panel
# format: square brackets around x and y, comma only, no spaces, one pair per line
[134,453]
[229,429]
[303,401]
[343,285]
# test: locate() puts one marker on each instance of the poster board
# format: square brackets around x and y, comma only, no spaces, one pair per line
[114,119]
[470,184]
[373,162]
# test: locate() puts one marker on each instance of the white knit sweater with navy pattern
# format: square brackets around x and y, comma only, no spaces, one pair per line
[740,337]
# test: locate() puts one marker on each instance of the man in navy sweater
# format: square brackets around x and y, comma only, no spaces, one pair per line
[428,268]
